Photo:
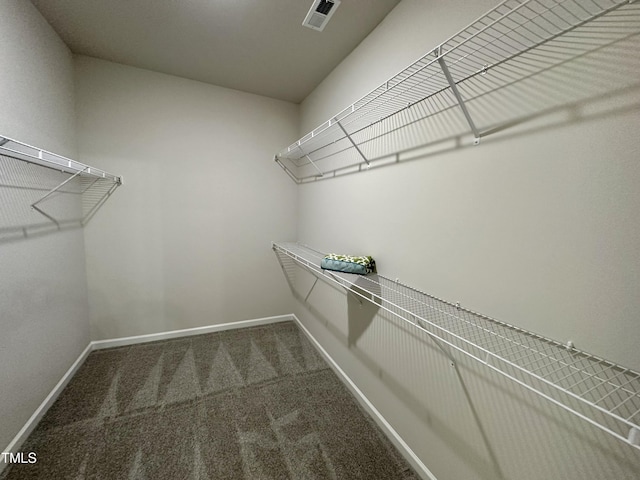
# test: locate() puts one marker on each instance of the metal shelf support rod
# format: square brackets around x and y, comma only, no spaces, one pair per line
[54,190]
[284,167]
[34,205]
[458,95]
[353,143]
[314,164]
[311,289]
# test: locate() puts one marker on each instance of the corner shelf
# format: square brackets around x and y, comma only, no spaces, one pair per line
[521,37]
[599,392]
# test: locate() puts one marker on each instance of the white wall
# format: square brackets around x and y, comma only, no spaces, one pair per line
[186,241]
[43,292]
[534,227]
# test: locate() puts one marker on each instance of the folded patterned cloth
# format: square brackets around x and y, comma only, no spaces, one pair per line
[348,264]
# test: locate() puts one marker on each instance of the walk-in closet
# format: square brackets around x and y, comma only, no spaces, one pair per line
[320,239]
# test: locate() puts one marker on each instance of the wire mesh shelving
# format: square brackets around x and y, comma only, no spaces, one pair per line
[515,40]
[22,151]
[53,195]
[599,392]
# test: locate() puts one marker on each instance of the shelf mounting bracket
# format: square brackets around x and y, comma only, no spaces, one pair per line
[457,94]
[311,289]
[353,143]
[287,171]
[321,174]
[34,205]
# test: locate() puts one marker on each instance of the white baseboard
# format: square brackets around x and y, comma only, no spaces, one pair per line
[187,332]
[28,427]
[409,455]
[31,424]
[395,438]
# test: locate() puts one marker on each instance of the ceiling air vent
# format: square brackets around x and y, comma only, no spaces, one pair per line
[320,13]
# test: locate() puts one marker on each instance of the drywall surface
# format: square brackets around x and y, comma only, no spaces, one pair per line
[186,241]
[43,292]
[535,227]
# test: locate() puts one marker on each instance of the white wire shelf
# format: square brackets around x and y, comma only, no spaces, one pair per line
[22,151]
[31,189]
[513,41]
[599,392]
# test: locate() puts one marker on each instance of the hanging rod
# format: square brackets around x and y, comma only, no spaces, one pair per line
[37,156]
[603,394]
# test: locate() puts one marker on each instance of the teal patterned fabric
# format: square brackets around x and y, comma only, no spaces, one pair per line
[360,265]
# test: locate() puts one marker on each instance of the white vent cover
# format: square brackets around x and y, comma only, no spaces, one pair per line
[320,13]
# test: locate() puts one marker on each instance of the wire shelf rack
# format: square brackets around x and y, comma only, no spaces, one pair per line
[599,392]
[66,198]
[22,151]
[514,40]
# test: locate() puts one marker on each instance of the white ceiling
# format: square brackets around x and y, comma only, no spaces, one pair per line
[256,46]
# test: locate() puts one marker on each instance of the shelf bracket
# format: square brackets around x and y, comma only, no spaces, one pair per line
[287,171]
[321,174]
[314,164]
[458,95]
[34,205]
[311,289]
[353,143]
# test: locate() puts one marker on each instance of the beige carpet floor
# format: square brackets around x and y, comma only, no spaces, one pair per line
[256,403]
